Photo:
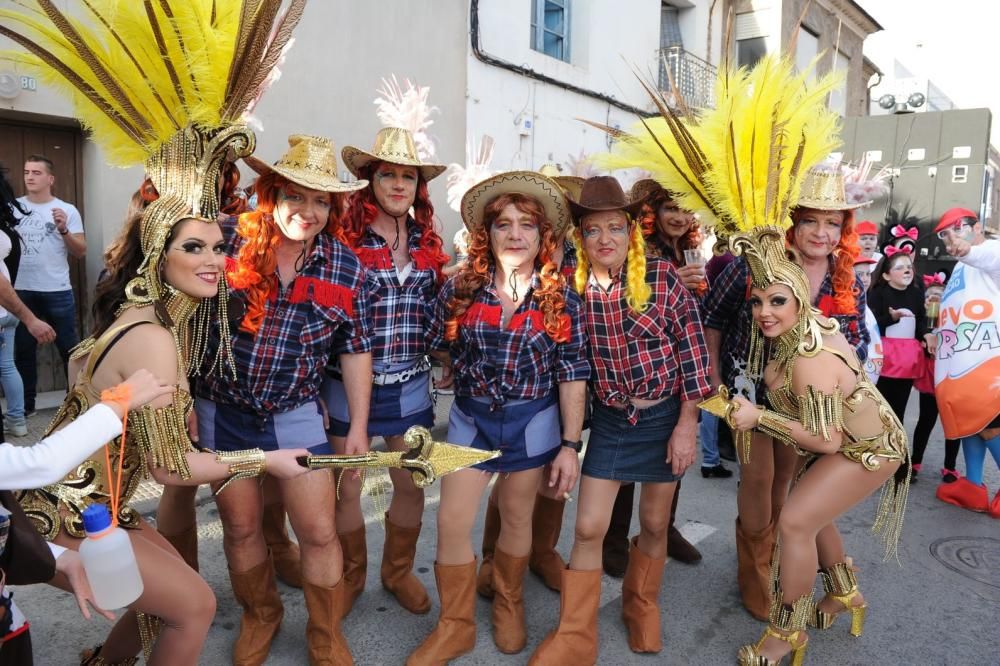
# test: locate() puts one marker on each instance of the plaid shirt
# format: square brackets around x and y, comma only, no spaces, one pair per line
[399,311]
[726,308]
[323,311]
[655,354]
[568,265]
[516,362]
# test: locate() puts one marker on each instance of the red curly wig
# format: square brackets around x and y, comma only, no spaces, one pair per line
[255,269]
[845,291]
[476,272]
[362,211]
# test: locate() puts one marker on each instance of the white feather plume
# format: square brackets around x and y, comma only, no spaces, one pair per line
[477,169]
[408,109]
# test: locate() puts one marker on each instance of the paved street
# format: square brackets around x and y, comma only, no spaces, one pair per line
[938,607]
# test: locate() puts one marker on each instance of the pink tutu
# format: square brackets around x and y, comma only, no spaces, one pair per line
[902,358]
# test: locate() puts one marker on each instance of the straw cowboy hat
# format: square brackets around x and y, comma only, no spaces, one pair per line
[603,193]
[530,183]
[570,184]
[394,145]
[823,189]
[311,162]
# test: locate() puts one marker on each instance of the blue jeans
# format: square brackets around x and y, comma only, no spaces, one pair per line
[13,387]
[58,308]
[708,434]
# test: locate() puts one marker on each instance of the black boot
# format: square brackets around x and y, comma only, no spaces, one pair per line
[616,540]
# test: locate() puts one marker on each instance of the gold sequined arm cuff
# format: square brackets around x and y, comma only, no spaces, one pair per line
[246,464]
[777,426]
[161,434]
[819,411]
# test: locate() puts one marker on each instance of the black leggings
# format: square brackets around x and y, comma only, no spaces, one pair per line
[925,423]
[897,393]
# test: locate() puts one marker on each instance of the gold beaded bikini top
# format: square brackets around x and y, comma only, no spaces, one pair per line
[156,436]
[869,425]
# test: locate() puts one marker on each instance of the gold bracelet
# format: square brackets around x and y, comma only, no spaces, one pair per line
[775,425]
[246,464]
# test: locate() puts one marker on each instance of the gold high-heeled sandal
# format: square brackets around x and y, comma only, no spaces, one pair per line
[787,624]
[841,585]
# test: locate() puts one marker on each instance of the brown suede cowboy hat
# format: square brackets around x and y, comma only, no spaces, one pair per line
[602,193]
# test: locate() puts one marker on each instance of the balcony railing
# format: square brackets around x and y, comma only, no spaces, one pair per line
[693,77]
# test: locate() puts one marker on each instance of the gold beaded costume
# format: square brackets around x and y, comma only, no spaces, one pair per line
[167,84]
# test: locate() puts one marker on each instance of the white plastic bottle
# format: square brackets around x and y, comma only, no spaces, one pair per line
[109,560]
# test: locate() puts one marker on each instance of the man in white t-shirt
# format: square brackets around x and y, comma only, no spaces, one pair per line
[51,232]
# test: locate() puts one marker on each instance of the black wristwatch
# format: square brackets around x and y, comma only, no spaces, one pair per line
[570,444]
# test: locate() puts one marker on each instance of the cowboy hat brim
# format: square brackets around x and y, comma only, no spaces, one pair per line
[819,204]
[356,159]
[531,183]
[312,180]
[578,210]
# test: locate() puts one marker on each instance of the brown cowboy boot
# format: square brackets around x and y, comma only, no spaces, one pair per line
[678,547]
[509,631]
[574,641]
[455,632]
[354,546]
[753,562]
[326,607]
[284,551]
[615,547]
[186,544]
[640,600]
[491,530]
[397,567]
[546,524]
[257,593]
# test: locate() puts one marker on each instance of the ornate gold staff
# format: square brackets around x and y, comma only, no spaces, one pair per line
[426,459]
[722,405]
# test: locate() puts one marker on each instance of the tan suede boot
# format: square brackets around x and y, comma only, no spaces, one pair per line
[284,551]
[509,630]
[640,600]
[491,530]
[455,633]
[546,524]
[326,607]
[753,574]
[574,641]
[354,546]
[397,568]
[186,544]
[257,593]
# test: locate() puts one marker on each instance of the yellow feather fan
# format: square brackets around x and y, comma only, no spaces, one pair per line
[139,71]
[741,164]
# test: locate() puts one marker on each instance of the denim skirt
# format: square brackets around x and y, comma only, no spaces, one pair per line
[526,432]
[392,410]
[620,451]
[223,427]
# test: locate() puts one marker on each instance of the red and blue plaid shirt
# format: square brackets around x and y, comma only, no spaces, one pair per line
[650,355]
[727,308]
[518,361]
[323,312]
[399,311]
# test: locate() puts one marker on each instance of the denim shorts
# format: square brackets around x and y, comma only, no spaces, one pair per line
[619,451]
[393,408]
[223,427]
[526,432]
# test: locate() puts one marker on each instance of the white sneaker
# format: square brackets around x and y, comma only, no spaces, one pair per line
[18,430]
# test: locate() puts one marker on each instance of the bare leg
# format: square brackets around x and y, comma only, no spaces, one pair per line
[309,500]
[407,506]
[786,463]
[654,516]
[593,515]
[240,506]
[175,513]
[516,501]
[461,494]
[173,592]
[753,497]
[348,512]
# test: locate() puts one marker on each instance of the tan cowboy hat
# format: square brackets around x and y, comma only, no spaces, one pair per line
[530,183]
[823,189]
[310,162]
[571,185]
[394,145]
[602,193]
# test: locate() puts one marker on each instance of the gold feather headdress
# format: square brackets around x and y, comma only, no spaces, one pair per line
[166,83]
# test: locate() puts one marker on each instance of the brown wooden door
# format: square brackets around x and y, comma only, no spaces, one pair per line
[63,146]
